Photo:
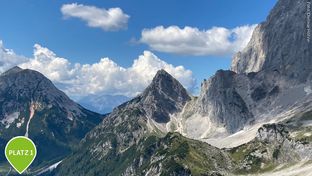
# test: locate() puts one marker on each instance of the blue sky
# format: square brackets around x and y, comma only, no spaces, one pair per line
[25,23]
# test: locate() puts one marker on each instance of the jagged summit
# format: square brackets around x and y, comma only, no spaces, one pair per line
[162,72]
[165,95]
[162,76]
[167,85]
[279,44]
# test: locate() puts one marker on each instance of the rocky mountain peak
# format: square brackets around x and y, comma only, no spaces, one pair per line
[162,72]
[164,96]
[32,106]
[24,84]
[280,43]
[163,78]
[13,70]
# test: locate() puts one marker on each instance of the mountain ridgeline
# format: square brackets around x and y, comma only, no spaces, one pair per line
[252,119]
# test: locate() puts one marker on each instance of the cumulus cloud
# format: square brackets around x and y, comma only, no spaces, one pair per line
[8,58]
[57,69]
[103,77]
[107,19]
[192,41]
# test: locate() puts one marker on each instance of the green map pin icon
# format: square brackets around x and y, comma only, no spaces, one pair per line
[20,151]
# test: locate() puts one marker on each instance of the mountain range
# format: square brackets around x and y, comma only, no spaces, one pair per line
[254,119]
[102,103]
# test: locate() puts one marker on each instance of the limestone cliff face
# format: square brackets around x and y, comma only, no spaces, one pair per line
[280,43]
[220,101]
[269,77]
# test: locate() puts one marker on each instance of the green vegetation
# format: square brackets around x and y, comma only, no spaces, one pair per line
[248,157]
[182,155]
[174,152]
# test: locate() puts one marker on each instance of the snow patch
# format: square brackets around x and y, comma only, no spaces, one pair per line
[20,123]
[9,119]
[249,132]
[70,116]
[234,140]
[308,90]
[50,168]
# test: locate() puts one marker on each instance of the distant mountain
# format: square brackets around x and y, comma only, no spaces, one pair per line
[102,103]
[31,105]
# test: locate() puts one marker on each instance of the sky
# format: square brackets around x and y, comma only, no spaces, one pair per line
[116,46]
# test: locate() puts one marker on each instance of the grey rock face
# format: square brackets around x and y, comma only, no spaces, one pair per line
[274,146]
[164,96]
[279,44]
[272,133]
[287,149]
[235,100]
[222,102]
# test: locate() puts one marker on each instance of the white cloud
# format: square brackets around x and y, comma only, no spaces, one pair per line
[103,77]
[58,69]
[109,20]
[192,41]
[8,58]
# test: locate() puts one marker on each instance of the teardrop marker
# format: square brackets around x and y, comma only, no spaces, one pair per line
[20,151]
